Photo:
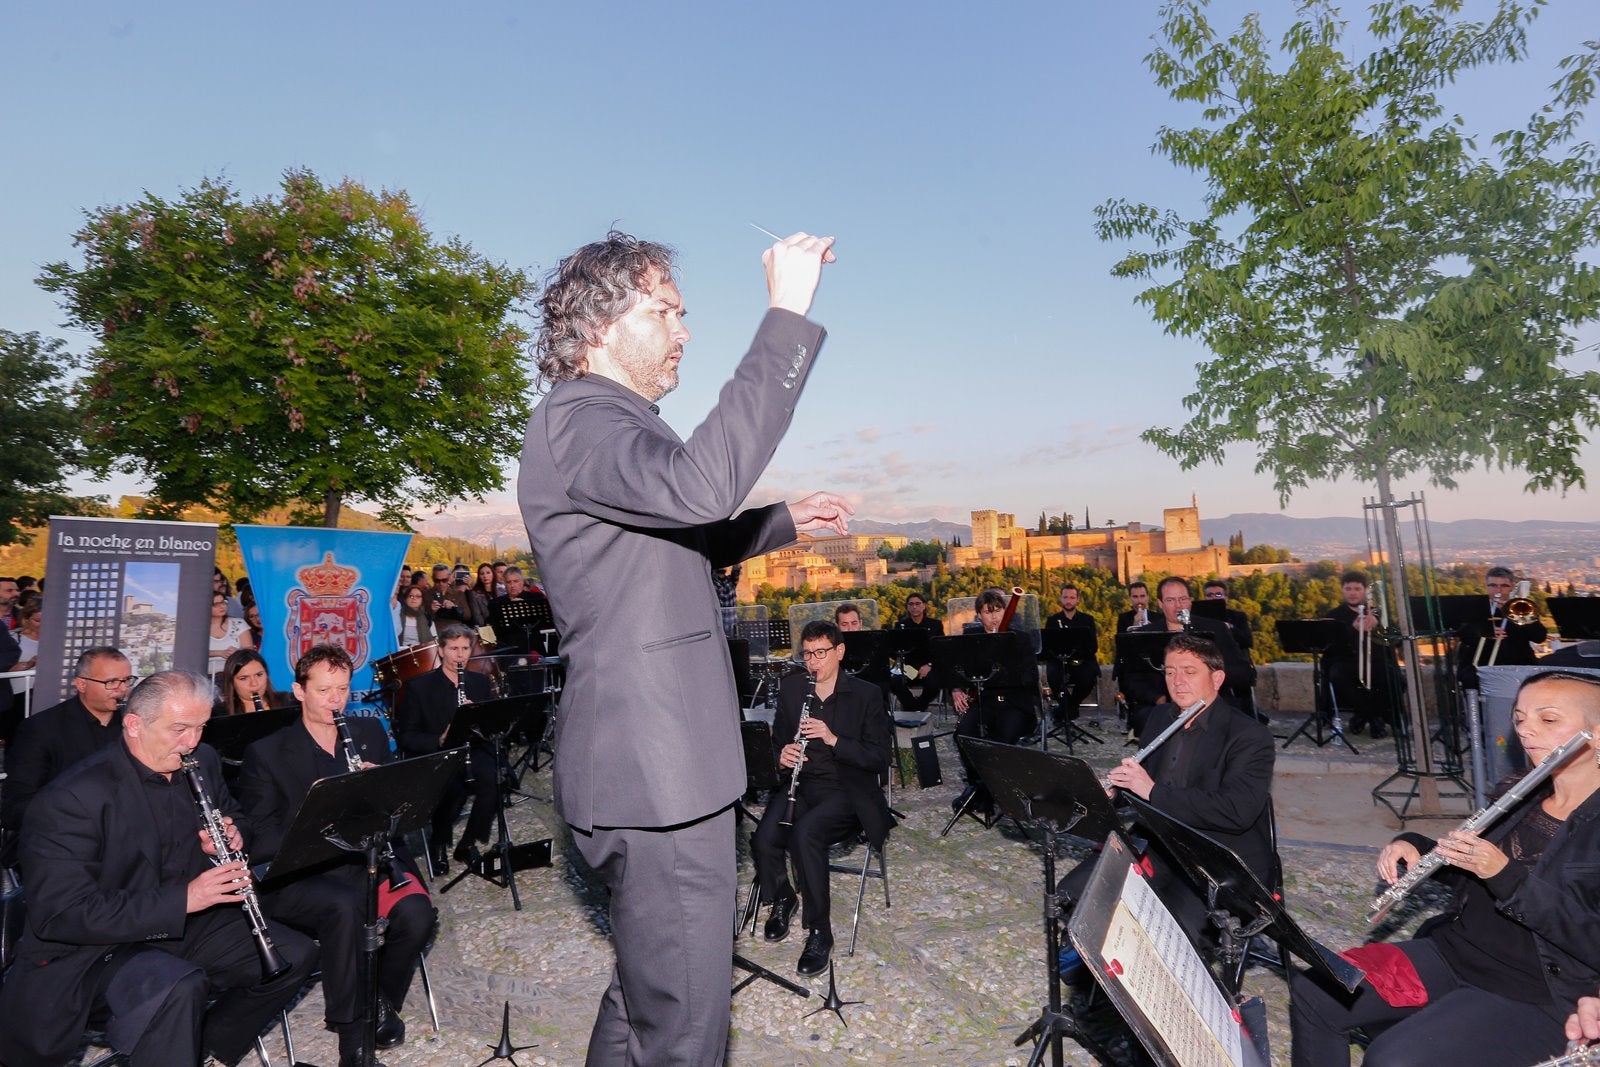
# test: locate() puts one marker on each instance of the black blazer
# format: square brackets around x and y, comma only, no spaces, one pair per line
[47,744]
[427,704]
[1228,791]
[278,773]
[93,857]
[863,749]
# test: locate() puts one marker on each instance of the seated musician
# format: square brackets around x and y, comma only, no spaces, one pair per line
[1008,712]
[1143,688]
[128,920]
[1073,681]
[422,718]
[1238,624]
[245,686]
[1493,985]
[52,740]
[917,618]
[1366,704]
[1214,775]
[329,902]
[1492,639]
[847,617]
[838,790]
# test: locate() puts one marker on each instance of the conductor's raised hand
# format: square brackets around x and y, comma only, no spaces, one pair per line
[821,511]
[219,885]
[794,267]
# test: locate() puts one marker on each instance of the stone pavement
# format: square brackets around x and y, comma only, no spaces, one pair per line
[949,975]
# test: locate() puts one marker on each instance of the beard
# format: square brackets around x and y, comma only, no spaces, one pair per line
[650,370]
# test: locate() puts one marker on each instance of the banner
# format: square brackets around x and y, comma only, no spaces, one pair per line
[139,585]
[317,586]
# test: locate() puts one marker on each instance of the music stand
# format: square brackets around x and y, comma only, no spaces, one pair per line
[490,721]
[1055,794]
[1068,646]
[1140,654]
[1453,612]
[1238,905]
[230,735]
[359,812]
[1577,617]
[980,660]
[761,776]
[867,651]
[520,622]
[1315,637]
[1207,608]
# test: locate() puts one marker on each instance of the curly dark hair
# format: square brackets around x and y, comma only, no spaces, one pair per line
[590,290]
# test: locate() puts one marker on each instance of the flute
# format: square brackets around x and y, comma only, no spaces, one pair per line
[272,964]
[802,741]
[1177,724]
[1478,820]
[1581,1056]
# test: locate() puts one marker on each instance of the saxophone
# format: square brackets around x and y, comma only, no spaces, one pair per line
[1419,871]
[272,964]
[802,741]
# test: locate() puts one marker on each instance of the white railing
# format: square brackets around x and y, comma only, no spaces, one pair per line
[27,690]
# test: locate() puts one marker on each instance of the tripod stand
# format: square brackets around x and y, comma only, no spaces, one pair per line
[1066,649]
[1315,636]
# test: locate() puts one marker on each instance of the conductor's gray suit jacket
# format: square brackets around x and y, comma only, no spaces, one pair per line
[626,521]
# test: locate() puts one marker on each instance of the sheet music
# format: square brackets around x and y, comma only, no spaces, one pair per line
[1164,975]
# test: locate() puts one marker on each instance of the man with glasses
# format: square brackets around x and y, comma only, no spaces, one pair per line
[1494,640]
[54,739]
[1145,689]
[847,746]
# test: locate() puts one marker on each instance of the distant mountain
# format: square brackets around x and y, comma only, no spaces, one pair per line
[927,530]
[1339,537]
[498,529]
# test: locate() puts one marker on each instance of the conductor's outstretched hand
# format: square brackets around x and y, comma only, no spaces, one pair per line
[821,511]
[794,267]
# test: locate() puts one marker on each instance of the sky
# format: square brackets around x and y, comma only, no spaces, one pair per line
[980,355]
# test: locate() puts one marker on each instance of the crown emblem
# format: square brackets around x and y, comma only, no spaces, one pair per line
[327,578]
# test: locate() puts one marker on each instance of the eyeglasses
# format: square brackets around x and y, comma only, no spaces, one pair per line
[1216,594]
[1177,600]
[818,654]
[113,683]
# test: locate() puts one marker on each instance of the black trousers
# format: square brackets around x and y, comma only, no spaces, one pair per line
[1460,1023]
[151,998]
[332,908]
[1358,706]
[823,816]
[484,789]
[1071,682]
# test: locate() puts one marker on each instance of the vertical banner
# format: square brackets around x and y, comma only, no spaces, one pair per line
[139,585]
[318,586]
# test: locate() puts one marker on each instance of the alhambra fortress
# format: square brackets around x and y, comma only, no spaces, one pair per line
[852,561]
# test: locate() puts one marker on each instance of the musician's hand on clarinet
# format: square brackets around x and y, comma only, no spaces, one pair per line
[1391,856]
[794,267]
[962,699]
[235,838]
[1131,775]
[219,885]
[1584,1024]
[817,730]
[1472,854]
[789,756]
[821,511]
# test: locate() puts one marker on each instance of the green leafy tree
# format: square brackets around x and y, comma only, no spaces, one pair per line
[1369,283]
[41,436]
[299,350]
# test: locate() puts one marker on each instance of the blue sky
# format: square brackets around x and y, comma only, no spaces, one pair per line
[980,355]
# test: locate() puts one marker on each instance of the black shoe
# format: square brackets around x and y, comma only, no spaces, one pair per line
[440,858]
[777,927]
[466,852]
[391,1028]
[961,798]
[814,960]
[1379,732]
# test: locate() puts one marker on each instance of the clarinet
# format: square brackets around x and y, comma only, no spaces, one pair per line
[1582,1056]
[1479,819]
[398,878]
[1160,739]
[272,964]
[256,699]
[802,741]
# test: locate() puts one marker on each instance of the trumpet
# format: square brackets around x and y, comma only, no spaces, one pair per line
[272,964]
[802,741]
[1160,739]
[1483,817]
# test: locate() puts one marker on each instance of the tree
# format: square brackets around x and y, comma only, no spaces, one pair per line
[41,437]
[300,350]
[1379,297]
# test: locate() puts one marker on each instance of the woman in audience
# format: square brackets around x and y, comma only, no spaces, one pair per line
[413,619]
[480,593]
[244,678]
[27,636]
[228,634]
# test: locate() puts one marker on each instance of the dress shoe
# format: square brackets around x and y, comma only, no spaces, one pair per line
[440,858]
[777,927]
[814,960]
[466,852]
[962,798]
[391,1028]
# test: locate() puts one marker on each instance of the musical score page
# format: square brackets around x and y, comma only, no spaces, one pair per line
[1164,975]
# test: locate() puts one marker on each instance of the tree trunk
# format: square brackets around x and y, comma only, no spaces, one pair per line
[1416,709]
[332,502]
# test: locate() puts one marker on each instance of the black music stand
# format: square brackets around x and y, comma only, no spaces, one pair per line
[1237,904]
[1207,608]
[490,721]
[981,659]
[360,812]
[761,776]
[521,623]
[1447,614]
[1141,653]
[1577,617]
[1068,646]
[1055,794]
[1315,637]
[230,735]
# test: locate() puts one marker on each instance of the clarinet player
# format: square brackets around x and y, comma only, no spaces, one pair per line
[128,919]
[846,745]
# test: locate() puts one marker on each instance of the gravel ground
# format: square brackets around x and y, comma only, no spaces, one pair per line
[949,975]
